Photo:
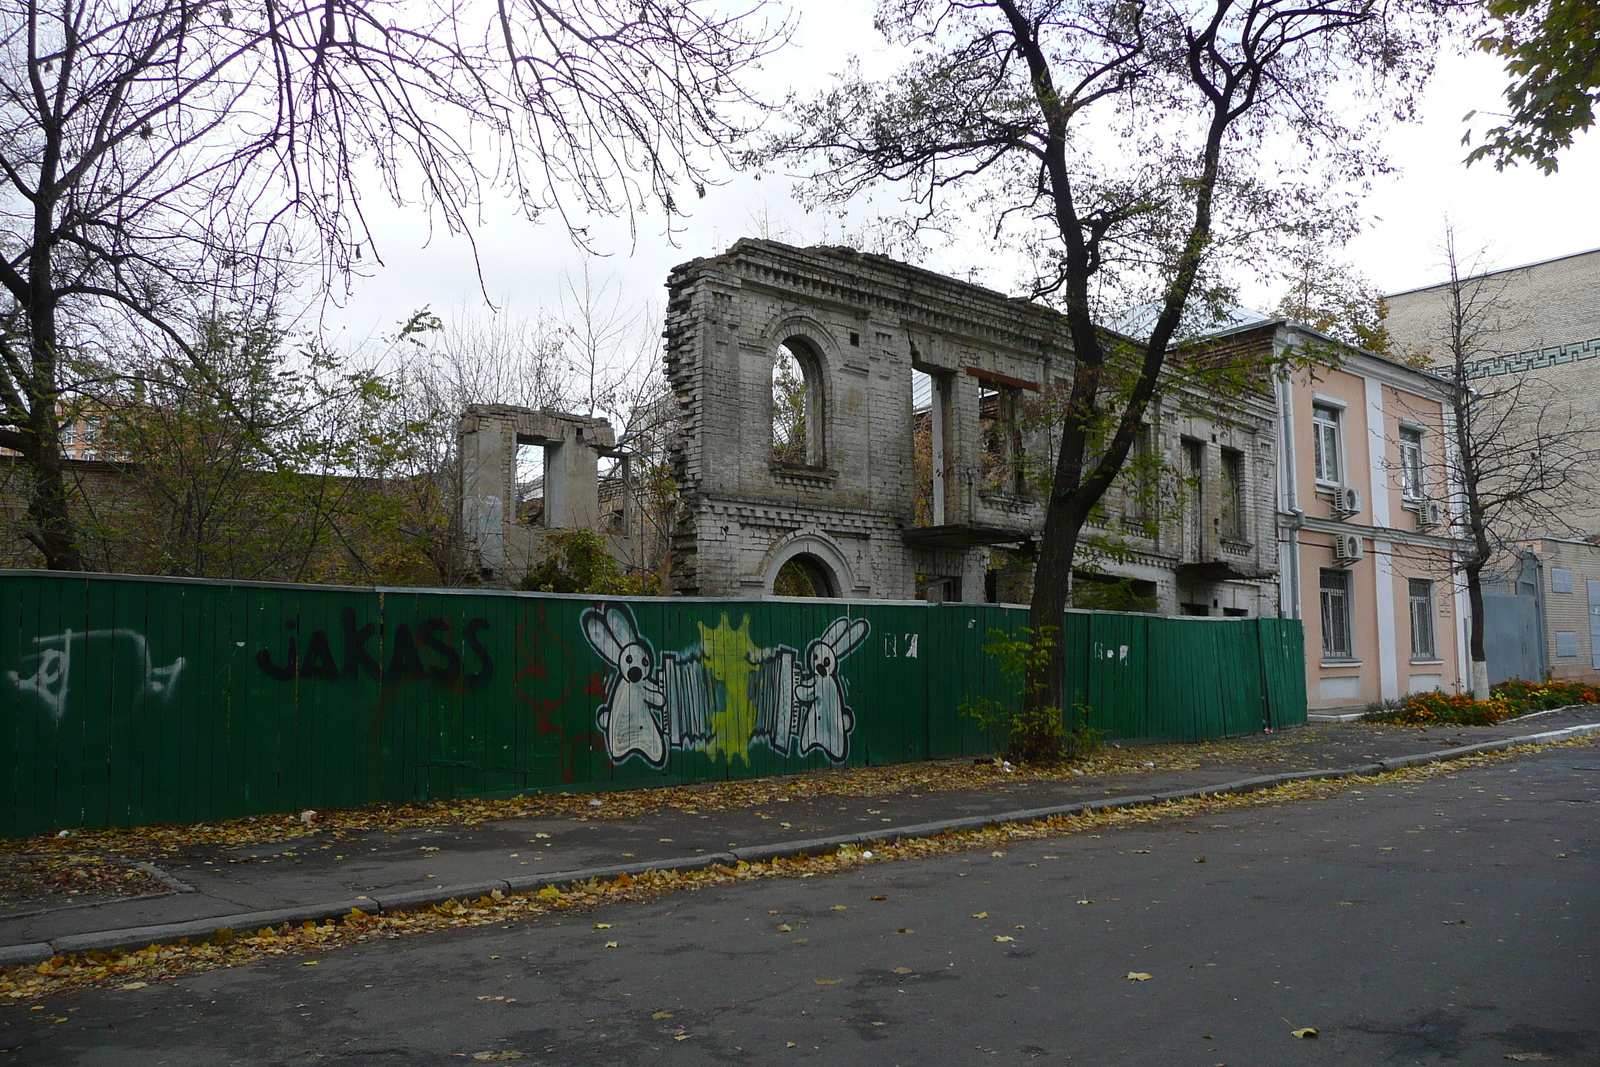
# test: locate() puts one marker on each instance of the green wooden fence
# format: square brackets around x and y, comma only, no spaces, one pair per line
[129,700]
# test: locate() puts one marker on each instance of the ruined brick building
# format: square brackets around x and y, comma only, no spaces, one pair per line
[823,477]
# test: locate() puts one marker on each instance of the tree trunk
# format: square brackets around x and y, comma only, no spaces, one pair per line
[1475,652]
[50,527]
[1052,582]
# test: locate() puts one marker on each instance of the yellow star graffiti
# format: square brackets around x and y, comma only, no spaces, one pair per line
[727,653]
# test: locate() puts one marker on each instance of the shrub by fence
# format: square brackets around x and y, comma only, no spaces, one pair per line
[129,700]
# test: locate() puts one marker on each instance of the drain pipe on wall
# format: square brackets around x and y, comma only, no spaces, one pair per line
[1297,515]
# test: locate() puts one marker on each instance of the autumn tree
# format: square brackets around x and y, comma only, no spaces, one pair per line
[151,150]
[1138,153]
[1334,299]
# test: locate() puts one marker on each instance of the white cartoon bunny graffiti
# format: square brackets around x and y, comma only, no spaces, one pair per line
[631,716]
[827,721]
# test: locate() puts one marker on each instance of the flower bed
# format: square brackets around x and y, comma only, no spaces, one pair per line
[1507,700]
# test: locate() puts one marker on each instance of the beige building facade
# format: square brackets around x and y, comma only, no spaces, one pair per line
[1366,560]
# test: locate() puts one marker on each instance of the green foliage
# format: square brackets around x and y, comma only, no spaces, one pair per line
[1552,53]
[1036,735]
[242,457]
[578,562]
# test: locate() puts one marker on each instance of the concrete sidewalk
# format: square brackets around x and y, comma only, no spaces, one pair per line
[325,875]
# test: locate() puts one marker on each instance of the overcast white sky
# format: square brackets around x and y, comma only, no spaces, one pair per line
[1520,215]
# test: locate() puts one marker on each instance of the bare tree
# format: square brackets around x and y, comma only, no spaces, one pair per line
[1524,453]
[1136,152]
[150,149]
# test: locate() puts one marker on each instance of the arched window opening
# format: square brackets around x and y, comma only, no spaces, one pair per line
[804,575]
[797,405]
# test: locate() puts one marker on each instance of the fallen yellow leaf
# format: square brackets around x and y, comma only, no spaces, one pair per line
[602,926]
[827,981]
[784,928]
[904,930]
[900,970]
[661,1015]
[1305,1033]
[837,907]
[980,915]
[788,1044]
[1004,937]
[309,963]
[611,944]
[1138,976]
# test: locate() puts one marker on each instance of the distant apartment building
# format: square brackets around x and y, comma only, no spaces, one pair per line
[1365,556]
[1541,323]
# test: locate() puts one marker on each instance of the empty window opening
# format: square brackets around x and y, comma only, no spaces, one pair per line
[804,575]
[1000,427]
[938,589]
[923,429]
[615,493]
[1139,480]
[1194,502]
[1231,517]
[1105,592]
[531,459]
[797,401]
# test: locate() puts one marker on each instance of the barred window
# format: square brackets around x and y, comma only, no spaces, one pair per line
[1422,629]
[1336,638]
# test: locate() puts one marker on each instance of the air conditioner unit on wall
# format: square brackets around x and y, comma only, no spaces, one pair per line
[1346,502]
[1430,515]
[1347,549]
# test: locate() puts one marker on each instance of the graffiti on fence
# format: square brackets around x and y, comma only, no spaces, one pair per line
[444,664]
[724,695]
[51,680]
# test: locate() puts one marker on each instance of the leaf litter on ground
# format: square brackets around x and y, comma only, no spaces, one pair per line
[226,948]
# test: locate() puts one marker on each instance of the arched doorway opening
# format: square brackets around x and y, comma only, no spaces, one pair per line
[805,575]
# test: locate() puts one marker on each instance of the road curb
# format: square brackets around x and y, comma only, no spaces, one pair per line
[201,929]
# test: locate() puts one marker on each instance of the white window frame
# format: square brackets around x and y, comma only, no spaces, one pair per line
[1338,624]
[1327,445]
[1424,621]
[1413,482]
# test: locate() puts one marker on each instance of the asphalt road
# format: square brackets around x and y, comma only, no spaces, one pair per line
[1449,921]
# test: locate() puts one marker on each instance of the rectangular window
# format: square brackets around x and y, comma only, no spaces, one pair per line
[1138,490]
[1325,435]
[1422,640]
[1411,485]
[1566,643]
[1336,643]
[1233,518]
[1560,580]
